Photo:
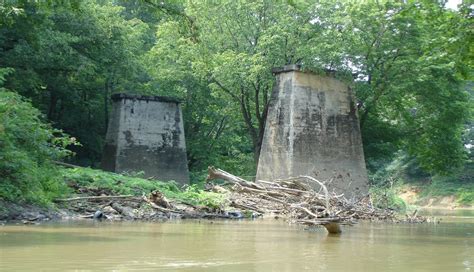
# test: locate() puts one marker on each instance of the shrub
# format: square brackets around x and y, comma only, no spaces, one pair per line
[27,148]
[387,198]
[465,197]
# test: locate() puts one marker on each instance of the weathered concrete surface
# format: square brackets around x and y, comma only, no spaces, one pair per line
[146,134]
[312,129]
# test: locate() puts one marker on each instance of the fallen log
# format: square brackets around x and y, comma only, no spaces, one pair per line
[96,198]
[245,207]
[325,189]
[127,212]
[262,192]
[216,173]
[185,214]
[306,210]
[67,165]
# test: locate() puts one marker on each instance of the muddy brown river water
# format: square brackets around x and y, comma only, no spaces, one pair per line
[261,245]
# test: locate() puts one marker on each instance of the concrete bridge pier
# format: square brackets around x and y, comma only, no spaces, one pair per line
[312,129]
[145,133]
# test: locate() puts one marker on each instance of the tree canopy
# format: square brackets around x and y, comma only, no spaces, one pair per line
[408,64]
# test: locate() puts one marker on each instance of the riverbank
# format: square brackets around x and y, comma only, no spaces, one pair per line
[16,212]
[424,198]
[95,194]
[99,195]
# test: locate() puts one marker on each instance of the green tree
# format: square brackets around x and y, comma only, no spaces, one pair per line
[213,130]
[232,49]
[406,62]
[27,148]
[409,61]
[68,59]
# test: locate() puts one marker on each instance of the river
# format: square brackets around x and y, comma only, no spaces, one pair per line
[260,245]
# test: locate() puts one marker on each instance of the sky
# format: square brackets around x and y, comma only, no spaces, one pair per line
[453,4]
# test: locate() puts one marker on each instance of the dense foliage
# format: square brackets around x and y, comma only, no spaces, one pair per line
[68,58]
[407,62]
[27,146]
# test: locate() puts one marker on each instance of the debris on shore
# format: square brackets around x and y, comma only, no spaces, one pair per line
[292,199]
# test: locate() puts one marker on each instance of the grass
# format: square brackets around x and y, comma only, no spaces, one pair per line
[132,185]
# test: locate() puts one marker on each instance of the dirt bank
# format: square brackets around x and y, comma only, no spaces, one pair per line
[29,213]
[413,196]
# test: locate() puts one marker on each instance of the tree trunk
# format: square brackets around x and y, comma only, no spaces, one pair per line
[106,105]
[53,100]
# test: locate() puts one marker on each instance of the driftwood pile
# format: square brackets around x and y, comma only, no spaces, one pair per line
[296,200]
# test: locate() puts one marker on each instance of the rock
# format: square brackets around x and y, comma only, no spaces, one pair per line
[109,210]
[235,215]
[98,215]
[26,222]
[35,216]
[127,212]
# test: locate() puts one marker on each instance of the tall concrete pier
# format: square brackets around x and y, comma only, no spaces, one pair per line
[146,134]
[312,129]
